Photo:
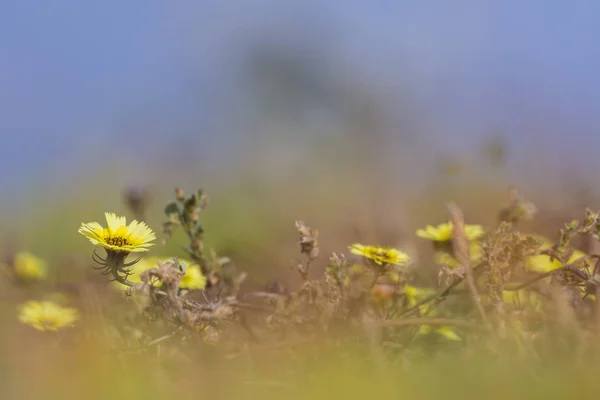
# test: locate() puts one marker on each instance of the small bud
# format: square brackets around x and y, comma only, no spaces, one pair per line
[179,194]
[203,201]
[137,199]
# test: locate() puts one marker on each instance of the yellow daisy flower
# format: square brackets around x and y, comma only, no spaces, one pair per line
[118,236]
[47,315]
[193,278]
[28,267]
[134,273]
[542,263]
[380,255]
[443,232]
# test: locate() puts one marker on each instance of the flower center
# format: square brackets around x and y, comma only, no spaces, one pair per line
[48,323]
[118,241]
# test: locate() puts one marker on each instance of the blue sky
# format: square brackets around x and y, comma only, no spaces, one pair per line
[77,75]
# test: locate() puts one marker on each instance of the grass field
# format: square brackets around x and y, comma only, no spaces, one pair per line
[250,304]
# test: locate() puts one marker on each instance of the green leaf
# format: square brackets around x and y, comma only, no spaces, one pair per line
[572,225]
[190,203]
[171,209]
[223,260]
[188,250]
[182,266]
[448,333]
[199,231]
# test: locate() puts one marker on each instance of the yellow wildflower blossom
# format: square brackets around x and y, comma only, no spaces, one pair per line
[47,315]
[118,236]
[542,263]
[380,255]
[192,279]
[28,267]
[135,272]
[443,232]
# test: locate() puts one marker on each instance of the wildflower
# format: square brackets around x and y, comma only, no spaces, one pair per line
[380,255]
[47,315]
[28,267]
[118,240]
[443,232]
[542,263]
[119,237]
[192,279]
[134,273]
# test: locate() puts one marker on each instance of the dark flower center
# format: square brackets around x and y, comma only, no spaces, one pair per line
[117,241]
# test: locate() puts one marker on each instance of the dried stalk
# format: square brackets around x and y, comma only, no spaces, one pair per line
[460,247]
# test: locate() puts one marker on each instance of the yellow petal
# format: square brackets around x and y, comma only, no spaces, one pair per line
[114,222]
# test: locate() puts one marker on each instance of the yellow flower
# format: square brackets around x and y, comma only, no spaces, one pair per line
[46,315]
[380,255]
[135,272]
[443,232]
[542,263]
[29,267]
[193,278]
[119,237]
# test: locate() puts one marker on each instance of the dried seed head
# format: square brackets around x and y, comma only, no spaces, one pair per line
[517,209]
[308,240]
[137,199]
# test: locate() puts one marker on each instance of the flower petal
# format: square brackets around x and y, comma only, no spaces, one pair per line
[114,222]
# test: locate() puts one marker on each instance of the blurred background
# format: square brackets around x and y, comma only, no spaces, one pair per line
[361,118]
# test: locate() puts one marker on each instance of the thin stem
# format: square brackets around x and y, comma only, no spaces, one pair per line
[461,249]
[435,297]
[161,339]
[548,273]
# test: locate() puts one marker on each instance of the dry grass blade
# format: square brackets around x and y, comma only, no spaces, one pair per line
[460,248]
